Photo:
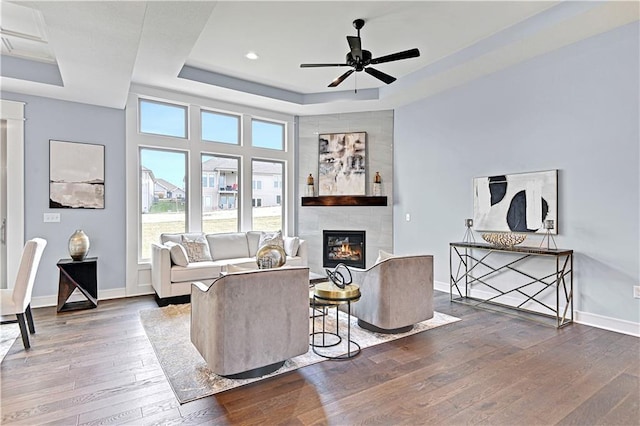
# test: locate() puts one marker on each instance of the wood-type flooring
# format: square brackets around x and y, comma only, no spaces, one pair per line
[97,367]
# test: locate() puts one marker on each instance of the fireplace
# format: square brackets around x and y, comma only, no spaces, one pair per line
[346,247]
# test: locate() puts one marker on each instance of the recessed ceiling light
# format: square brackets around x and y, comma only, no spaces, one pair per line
[252,55]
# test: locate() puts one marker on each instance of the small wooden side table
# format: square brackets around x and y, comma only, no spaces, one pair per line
[81,275]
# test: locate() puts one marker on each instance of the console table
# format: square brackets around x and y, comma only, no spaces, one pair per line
[81,275]
[476,264]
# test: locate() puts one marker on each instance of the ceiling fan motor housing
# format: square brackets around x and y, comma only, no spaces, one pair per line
[359,63]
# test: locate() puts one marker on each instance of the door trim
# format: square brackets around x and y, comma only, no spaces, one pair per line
[13,113]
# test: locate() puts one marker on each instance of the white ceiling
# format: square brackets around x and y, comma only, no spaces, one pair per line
[103,48]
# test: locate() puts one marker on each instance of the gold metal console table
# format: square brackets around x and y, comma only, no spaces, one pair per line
[478,263]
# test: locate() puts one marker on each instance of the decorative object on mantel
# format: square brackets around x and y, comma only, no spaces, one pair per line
[549,225]
[377,185]
[310,192]
[79,245]
[503,239]
[341,163]
[468,234]
[518,202]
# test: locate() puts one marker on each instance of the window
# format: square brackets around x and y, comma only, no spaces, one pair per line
[266,134]
[204,181]
[164,119]
[218,127]
[162,195]
[221,213]
[256,184]
[267,202]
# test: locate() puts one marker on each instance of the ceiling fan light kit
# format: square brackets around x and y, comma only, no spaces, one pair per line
[360,60]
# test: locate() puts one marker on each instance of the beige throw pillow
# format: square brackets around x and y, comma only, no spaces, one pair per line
[382,255]
[271,239]
[291,245]
[197,249]
[178,254]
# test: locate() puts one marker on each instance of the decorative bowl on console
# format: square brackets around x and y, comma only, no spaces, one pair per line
[503,239]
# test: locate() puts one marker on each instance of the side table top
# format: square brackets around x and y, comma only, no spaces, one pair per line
[86,259]
[329,291]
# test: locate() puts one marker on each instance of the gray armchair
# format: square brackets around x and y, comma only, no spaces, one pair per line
[396,293]
[247,324]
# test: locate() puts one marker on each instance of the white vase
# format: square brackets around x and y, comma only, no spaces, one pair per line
[78,245]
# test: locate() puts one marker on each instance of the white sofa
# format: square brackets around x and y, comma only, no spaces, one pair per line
[171,281]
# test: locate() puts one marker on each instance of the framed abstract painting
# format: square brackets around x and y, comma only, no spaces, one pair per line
[518,202]
[76,175]
[342,164]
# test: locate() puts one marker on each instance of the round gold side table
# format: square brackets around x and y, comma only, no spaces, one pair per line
[327,293]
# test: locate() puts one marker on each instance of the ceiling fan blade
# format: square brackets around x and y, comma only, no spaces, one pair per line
[411,53]
[340,79]
[322,65]
[355,44]
[380,75]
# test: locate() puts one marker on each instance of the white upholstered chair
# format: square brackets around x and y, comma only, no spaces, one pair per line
[17,301]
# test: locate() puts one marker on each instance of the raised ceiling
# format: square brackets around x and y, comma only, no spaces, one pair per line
[103,49]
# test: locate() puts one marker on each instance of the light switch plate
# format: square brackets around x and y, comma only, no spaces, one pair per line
[51,217]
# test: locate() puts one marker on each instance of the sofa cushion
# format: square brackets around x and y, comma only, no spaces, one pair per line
[178,254]
[291,245]
[253,239]
[271,239]
[206,271]
[177,237]
[197,249]
[230,245]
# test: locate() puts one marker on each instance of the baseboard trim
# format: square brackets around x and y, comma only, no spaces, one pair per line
[585,318]
[607,323]
[116,293]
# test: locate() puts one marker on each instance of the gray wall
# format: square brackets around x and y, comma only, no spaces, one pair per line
[376,221]
[576,110]
[68,121]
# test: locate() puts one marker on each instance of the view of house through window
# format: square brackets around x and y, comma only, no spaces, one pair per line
[219,194]
[162,195]
[266,196]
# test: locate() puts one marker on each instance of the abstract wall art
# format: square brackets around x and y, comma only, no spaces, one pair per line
[342,164]
[76,175]
[516,203]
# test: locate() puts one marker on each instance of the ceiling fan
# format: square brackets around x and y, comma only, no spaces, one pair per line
[360,59]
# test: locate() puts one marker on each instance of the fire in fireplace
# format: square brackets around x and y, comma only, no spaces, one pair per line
[346,247]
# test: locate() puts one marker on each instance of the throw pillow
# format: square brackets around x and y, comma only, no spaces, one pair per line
[382,255]
[197,249]
[271,239]
[178,253]
[291,245]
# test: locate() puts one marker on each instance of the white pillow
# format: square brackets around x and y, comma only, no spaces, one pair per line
[178,253]
[291,245]
[382,255]
[197,249]
[271,238]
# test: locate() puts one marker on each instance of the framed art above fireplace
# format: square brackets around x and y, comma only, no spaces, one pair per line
[342,163]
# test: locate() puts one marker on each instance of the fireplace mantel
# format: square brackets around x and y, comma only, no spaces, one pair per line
[344,200]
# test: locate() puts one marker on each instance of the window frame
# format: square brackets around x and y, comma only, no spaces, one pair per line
[226,114]
[142,100]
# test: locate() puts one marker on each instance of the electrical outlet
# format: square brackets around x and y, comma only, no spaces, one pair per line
[407,217]
[636,291]
[51,217]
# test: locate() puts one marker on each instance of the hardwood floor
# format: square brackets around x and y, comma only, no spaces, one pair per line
[96,367]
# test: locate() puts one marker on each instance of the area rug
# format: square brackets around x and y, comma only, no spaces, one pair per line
[168,331]
[8,335]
